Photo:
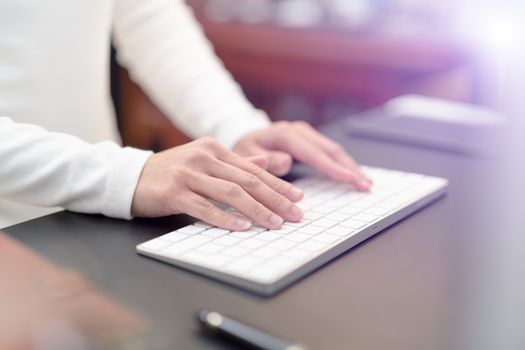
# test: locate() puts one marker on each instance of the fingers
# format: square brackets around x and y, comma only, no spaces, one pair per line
[259,160]
[307,152]
[201,208]
[280,186]
[332,148]
[235,196]
[335,151]
[258,190]
[277,162]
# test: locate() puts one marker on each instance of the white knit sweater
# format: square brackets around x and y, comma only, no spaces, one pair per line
[54,73]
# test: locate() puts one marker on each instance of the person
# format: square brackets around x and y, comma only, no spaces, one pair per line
[58,139]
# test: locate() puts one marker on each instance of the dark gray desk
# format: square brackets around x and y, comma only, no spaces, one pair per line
[398,290]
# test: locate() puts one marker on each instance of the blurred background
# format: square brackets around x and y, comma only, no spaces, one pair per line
[325,60]
[321,60]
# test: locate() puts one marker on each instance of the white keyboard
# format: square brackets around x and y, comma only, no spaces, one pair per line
[336,218]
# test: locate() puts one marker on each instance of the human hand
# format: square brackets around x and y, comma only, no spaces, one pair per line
[185,179]
[276,145]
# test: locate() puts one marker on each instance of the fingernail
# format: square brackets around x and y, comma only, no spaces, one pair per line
[364,176]
[276,220]
[296,211]
[296,192]
[241,224]
[365,184]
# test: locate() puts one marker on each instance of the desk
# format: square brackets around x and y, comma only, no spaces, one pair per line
[398,290]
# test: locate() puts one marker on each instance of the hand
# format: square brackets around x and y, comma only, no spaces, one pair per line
[185,179]
[277,145]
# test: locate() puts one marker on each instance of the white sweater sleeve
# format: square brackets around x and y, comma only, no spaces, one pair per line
[163,47]
[52,169]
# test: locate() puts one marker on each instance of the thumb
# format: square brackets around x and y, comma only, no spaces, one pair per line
[260,160]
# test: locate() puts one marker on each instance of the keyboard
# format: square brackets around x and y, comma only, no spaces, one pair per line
[336,218]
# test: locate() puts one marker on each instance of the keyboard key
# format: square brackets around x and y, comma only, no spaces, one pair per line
[313,190]
[304,206]
[336,202]
[312,215]
[390,205]
[376,211]
[281,244]
[326,223]
[258,228]
[191,230]
[374,199]
[313,201]
[155,244]
[339,188]
[326,195]
[284,230]
[354,196]
[217,260]
[322,210]
[203,224]
[343,187]
[350,223]
[243,234]
[227,240]
[195,257]
[235,251]
[297,254]
[297,237]
[377,194]
[210,248]
[337,216]
[174,236]
[362,203]
[340,231]
[326,238]
[349,210]
[312,246]
[215,232]
[400,199]
[311,230]
[281,263]
[302,223]
[266,252]
[252,243]
[365,217]
[268,236]
[180,247]
[214,261]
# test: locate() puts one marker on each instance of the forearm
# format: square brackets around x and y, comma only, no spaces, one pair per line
[162,45]
[51,169]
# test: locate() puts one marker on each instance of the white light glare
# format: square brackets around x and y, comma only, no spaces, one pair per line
[495,28]
[502,32]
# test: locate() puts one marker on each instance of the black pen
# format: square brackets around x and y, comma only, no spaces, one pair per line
[227,328]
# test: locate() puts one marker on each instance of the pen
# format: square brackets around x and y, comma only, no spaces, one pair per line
[233,330]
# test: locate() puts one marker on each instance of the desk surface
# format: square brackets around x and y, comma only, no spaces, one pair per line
[397,290]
